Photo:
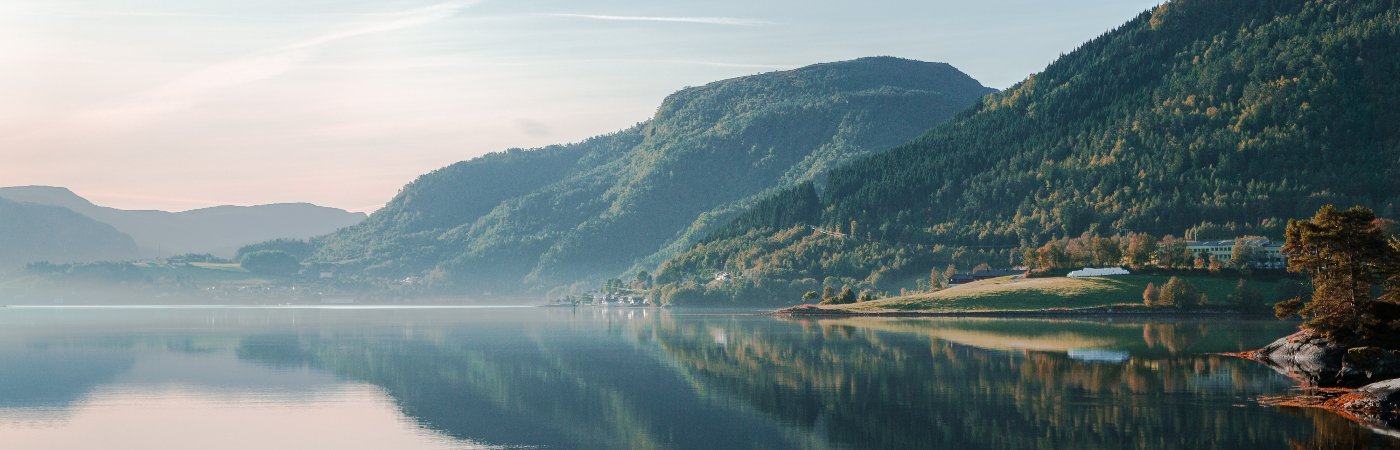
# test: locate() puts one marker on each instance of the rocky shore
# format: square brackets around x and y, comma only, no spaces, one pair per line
[1358,381]
[1315,361]
[1121,310]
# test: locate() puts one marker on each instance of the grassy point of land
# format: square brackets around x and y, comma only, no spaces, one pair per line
[210,273]
[230,267]
[149,272]
[1017,293]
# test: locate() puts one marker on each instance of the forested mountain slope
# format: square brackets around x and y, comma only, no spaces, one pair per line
[531,219]
[1220,116]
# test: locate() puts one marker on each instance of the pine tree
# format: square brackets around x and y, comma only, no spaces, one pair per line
[1346,256]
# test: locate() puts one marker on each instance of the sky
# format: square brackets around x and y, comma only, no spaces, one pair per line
[182,104]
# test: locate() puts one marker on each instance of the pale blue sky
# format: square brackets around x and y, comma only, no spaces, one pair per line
[184,104]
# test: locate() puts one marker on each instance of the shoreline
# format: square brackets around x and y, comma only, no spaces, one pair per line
[1352,403]
[1098,311]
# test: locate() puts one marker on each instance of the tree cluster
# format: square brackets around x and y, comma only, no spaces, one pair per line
[1355,270]
[829,296]
[1134,250]
[270,262]
[1175,293]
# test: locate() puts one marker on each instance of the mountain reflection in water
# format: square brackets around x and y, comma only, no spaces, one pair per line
[635,378]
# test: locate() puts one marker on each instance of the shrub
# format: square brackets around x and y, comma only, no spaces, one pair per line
[1151,296]
[1178,292]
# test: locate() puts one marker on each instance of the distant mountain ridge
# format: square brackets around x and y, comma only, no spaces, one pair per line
[30,233]
[525,219]
[219,230]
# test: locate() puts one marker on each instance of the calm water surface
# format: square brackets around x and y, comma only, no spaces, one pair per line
[209,378]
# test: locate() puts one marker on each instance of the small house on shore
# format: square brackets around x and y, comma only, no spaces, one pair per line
[964,278]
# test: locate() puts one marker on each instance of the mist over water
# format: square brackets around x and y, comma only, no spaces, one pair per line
[366,377]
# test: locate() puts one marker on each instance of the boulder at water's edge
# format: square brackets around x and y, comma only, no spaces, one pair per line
[1317,361]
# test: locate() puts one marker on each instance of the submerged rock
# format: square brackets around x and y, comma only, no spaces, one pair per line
[1316,361]
[1334,369]
[1378,397]
[1376,405]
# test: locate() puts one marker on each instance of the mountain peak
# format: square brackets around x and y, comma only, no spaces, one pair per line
[561,214]
[47,195]
[873,72]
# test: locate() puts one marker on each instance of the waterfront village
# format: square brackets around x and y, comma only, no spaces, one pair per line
[604,298]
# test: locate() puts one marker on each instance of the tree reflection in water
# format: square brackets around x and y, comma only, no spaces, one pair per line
[960,383]
[677,381]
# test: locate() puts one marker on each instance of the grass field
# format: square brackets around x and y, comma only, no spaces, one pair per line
[1020,294]
[212,273]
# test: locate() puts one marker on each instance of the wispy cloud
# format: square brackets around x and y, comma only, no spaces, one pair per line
[394,21]
[117,13]
[285,58]
[728,21]
[145,14]
[211,80]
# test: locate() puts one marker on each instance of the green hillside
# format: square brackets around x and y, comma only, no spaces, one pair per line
[532,219]
[1217,118]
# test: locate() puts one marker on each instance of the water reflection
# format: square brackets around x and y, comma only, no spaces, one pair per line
[985,383]
[633,378]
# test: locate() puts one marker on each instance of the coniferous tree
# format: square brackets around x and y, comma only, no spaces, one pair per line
[1347,258]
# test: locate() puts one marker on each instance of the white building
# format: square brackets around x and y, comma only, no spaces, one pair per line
[1267,254]
[1098,272]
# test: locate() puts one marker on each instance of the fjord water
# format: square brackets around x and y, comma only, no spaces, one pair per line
[635,378]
